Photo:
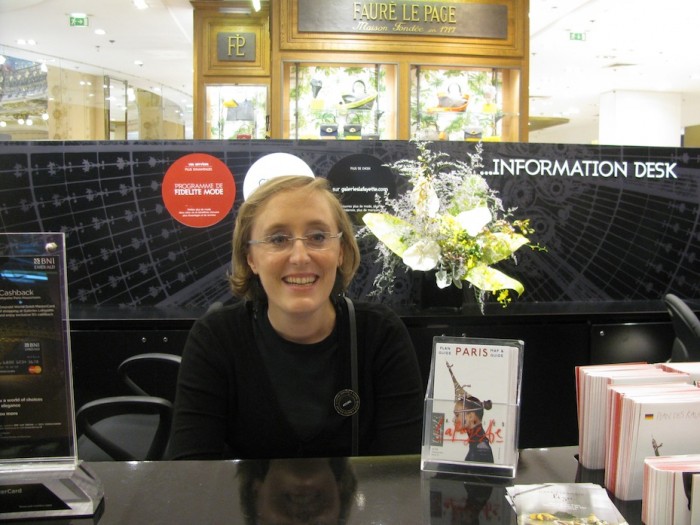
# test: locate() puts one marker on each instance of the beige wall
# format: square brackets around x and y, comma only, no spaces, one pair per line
[75,106]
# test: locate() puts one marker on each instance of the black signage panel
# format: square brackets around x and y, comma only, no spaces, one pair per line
[620,224]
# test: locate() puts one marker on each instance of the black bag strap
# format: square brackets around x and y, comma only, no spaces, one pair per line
[353,373]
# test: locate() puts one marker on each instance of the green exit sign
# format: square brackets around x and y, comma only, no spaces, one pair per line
[78,20]
[577,36]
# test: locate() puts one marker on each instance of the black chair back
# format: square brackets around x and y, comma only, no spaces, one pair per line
[124,428]
[151,374]
[686,346]
[132,427]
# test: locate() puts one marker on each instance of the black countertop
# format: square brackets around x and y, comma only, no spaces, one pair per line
[389,490]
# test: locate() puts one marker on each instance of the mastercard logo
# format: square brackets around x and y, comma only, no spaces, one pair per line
[34,369]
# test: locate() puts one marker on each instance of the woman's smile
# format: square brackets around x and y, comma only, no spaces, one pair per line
[300,280]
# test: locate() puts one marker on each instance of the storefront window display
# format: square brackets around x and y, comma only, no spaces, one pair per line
[237,112]
[341,101]
[461,103]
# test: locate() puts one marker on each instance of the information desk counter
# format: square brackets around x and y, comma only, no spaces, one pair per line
[373,490]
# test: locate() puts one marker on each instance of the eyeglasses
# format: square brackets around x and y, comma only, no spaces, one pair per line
[280,242]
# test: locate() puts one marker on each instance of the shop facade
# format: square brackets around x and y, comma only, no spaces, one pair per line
[308,69]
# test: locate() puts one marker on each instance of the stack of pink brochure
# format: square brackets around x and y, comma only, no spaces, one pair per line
[648,420]
[671,490]
[592,402]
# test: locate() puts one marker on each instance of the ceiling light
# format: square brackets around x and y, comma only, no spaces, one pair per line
[256,5]
[100,32]
[140,4]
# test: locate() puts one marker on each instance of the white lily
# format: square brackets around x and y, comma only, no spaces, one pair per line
[425,198]
[422,256]
[442,279]
[473,221]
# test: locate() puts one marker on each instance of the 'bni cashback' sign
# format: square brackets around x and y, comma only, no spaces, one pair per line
[36,401]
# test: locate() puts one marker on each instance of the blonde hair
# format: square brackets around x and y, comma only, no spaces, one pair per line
[244,283]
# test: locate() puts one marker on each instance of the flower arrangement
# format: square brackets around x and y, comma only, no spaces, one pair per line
[449,221]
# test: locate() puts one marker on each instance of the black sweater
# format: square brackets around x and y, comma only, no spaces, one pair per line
[226,406]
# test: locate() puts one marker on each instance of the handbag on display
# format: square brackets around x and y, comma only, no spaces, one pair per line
[451,101]
[359,98]
[328,130]
[353,130]
[473,132]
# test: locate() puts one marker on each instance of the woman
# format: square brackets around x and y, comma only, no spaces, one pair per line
[469,413]
[271,376]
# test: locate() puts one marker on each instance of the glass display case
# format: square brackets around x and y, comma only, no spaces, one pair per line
[465,103]
[237,112]
[339,101]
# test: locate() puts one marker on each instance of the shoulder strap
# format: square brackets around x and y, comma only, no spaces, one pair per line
[353,372]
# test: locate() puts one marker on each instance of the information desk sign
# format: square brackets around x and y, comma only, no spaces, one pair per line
[40,475]
[472,403]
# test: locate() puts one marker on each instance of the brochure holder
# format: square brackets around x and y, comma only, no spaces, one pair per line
[472,407]
[40,474]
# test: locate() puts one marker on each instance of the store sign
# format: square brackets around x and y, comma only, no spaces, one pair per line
[237,47]
[404,17]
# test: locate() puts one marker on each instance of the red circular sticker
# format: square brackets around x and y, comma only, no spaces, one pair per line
[198,190]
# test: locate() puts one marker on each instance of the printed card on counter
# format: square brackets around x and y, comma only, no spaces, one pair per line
[563,503]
